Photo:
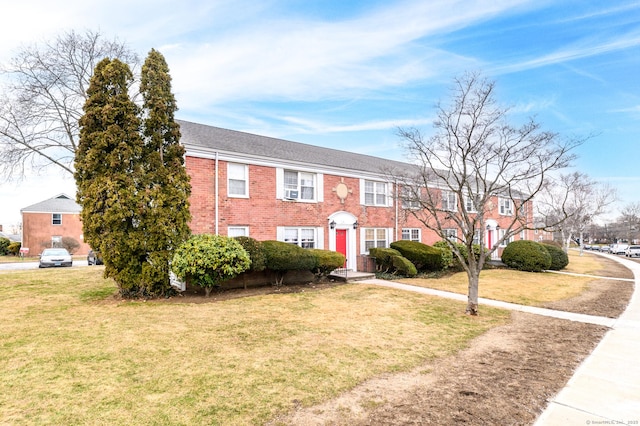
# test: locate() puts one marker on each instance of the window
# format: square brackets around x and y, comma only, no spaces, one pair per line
[470,205]
[411,234]
[56,219]
[238,231]
[375,237]
[237,180]
[299,185]
[476,237]
[375,193]
[303,237]
[449,201]
[506,206]
[501,234]
[450,234]
[408,197]
[56,241]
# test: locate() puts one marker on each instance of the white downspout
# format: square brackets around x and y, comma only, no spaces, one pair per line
[217,213]
[396,203]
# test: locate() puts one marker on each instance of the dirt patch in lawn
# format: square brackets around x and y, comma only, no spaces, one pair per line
[506,376]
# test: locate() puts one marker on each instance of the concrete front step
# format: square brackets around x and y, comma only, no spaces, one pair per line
[346,275]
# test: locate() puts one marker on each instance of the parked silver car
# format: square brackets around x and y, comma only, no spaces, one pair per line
[55,257]
[632,251]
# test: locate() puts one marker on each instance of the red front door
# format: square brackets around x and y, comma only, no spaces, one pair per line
[341,242]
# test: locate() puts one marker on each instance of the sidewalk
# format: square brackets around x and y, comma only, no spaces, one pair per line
[605,389]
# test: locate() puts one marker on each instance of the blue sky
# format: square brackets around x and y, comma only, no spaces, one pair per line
[346,74]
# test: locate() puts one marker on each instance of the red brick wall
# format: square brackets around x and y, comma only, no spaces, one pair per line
[263,213]
[38,231]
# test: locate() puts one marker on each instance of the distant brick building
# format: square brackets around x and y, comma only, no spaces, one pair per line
[46,223]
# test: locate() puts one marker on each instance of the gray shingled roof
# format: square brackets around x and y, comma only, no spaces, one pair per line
[202,136]
[61,203]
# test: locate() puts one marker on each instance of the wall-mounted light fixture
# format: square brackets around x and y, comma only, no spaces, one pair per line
[332,224]
[355,225]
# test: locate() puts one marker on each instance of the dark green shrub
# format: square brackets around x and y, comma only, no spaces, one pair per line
[424,257]
[326,262]
[282,257]
[256,253]
[559,259]
[384,257]
[209,260]
[448,258]
[403,266]
[14,248]
[527,256]
[4,246]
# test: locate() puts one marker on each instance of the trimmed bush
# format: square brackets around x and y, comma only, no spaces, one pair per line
[209,260]
[424,257]
[559,259]
[282,257]
[256,253]
[326,261]
[527,256]
[4,246]
[384,257]
[403,266]
[14,248]
[448,258]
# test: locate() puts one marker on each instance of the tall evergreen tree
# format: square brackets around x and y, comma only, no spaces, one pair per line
[166,217]
[110,174]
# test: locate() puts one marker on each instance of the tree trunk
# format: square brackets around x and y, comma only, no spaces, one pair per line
[472,304]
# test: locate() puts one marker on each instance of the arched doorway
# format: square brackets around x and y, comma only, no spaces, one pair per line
[342,236]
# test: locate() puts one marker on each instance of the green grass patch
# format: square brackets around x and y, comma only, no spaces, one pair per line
[524,288]
[71,355]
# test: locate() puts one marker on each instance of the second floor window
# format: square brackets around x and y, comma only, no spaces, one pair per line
[56,219]
[470,205]
[409,198]
[375,193]
[506,206]
[237,175]
[299,185]
[449,201]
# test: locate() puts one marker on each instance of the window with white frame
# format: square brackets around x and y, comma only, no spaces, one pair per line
[469,204]
[56,219]
[409,198]
[450,234]
[506,206]
[375,193]
[476,237]
[449,201]
[56,241]
[501,234]
[303,237]
[411,234]
[375,237]
[237,176]
[238,231]
[299,185]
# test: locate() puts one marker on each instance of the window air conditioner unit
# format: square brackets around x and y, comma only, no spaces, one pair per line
[290,194]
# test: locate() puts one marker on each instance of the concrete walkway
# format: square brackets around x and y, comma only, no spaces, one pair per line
[605,389]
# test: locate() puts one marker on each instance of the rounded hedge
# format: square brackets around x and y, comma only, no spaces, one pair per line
[403,266]
[326,262]
[424,257]
[384,257]
[559,259]
[282,257]
[525,255]
[256,253]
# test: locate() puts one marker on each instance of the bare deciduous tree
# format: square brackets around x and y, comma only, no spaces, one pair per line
[476,154]
[572,203]
[45,89]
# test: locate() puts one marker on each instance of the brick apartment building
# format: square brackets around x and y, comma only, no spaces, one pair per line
[272,189]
